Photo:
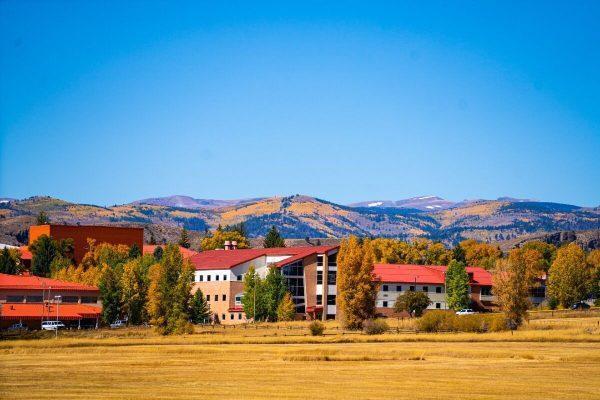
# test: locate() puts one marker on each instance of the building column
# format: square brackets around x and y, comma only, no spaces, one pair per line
[325,286]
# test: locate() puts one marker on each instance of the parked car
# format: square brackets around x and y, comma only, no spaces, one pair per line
[52,325]
[17,327]
[580,306]
[117,324]
[465,311]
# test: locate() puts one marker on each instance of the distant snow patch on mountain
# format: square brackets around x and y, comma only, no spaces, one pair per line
[423,203]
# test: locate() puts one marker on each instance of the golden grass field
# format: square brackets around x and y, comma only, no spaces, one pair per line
[550,357]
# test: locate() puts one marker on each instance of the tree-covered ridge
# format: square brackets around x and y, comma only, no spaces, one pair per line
[303,216]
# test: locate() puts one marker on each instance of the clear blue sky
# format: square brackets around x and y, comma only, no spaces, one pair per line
[108,102]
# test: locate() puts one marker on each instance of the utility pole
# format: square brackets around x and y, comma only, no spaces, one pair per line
[57,299]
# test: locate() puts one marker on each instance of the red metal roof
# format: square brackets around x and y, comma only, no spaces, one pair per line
[16,311]
[186,253]
[227,259]
[32,282]
[421,274]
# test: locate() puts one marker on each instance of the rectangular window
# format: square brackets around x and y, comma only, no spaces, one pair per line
[200,278]
[412,288]
[88,299]
[240,277]
[320,260]
[34,299]
[208,297]
[293,269]
[319,299]
[70,299]
[230,316]
[15,299]
[224,297]
[426,288]
[240,316]
[216,297]
[238,299]
[216,277]
[224,277]
[438,305]
[487,291]
[331,300]
[384,288]
[331,278]
[438,289]
[385,304]
[319,277]
[222,317]
[332,260]
[398,288]
[207,278]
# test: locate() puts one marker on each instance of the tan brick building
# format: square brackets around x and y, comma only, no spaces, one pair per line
[310,273]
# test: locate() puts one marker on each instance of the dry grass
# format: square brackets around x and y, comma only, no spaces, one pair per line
[548,358]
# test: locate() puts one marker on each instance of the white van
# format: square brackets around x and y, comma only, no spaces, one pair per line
[52,325]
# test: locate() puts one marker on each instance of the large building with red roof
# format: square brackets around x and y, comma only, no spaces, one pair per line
[81,233]
[309,271]
[396,279]
[31,299]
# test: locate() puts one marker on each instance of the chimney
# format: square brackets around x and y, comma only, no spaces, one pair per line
[234,245]
[227,245]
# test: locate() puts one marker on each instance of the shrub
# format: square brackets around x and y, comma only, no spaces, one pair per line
[435,321]
[553,303]
[375,327]
[316,328]
[439,321]
[498,323]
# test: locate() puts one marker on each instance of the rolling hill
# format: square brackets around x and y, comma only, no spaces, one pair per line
[302,216]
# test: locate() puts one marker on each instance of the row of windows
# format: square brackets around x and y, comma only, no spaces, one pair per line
[39,299]
[294,269]
[200,278]
[331,260]
[386,304]
[216,297]
[330,300]
[386,288]
[295,286]
[231,316]
[331,277]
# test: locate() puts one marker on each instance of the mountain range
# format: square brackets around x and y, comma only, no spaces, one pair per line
[301,216]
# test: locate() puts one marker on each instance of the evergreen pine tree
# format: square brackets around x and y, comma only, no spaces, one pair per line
[254,300]
[199,309]
[8,263]
[457,286]
[169,292]
[273,239]
[44,250]
[184,240]
[458,254]
[42,219]
[158,253]
[134,251]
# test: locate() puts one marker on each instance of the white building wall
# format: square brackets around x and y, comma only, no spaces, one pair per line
[438,300]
